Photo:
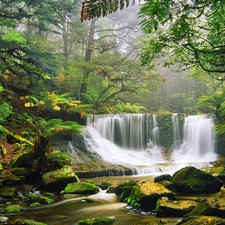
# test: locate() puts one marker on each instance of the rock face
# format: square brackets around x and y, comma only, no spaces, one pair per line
[173,208]
[194,181]
[81,188]
[146,194]
[200,220]
[58,179]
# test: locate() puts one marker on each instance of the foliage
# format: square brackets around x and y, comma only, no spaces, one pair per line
[93,8]
[191,33]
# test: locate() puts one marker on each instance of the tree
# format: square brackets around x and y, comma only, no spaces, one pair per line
[190,33]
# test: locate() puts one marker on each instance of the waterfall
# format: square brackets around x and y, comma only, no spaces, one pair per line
[132,141]
[198,142]
[127,140]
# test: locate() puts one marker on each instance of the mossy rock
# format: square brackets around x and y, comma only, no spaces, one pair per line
[97,221]
[195,181]
[41,199]
[22,171]
[1,167]
[25,160]
[58,179]
[28,222]
[81,188]
[166,207]
[12,209]
[57,160]
[145,195]
[35,204]
[199,220]
[8,192]
[120,187]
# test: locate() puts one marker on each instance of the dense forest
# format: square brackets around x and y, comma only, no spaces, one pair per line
[58,65]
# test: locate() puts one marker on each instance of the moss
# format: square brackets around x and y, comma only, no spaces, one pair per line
[41,199]
[8,192]
[81,188]
[12,209]
[97,221]
[35,204]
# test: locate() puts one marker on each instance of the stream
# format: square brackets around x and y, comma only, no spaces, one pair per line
[70,211]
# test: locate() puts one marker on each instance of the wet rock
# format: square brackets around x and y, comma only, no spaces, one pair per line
[146,194]
[58,179]
[8,192]
[194,181]
[162,178]
[40,199]
[12,209]
[97,221]
[22,171]
[166,207]
[81,188]
[210,207]
[199,220]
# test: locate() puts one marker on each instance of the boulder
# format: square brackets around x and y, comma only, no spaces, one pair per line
[33,198]
[58,179]
[209,207]
[97,221]
[146,194]
[166,207]
[12,209]
[199,220]
[81,188]
[194,181]
[8,192]
[162,177]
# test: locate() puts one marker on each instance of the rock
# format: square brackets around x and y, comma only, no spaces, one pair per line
[22,171]
[58,179]
[40,199]
[56,160]
[35,204]
[12,209]
[81,188]
[166,207]
[118,189]
[199,220]
[97,221]
[194,181]
[8,192]
[28,222]
[162,178]
[210,207]
[146,194]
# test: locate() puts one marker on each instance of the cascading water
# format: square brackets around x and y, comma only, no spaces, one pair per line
[132,140]
[129,140]
[198,141]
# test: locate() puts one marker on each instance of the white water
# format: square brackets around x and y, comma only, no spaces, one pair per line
[199,141]
[132,141]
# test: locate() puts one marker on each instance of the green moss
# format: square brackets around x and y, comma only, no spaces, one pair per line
[12,209]
[41,199]
[8,192]
[35,204]
[81,188]
[97,221]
